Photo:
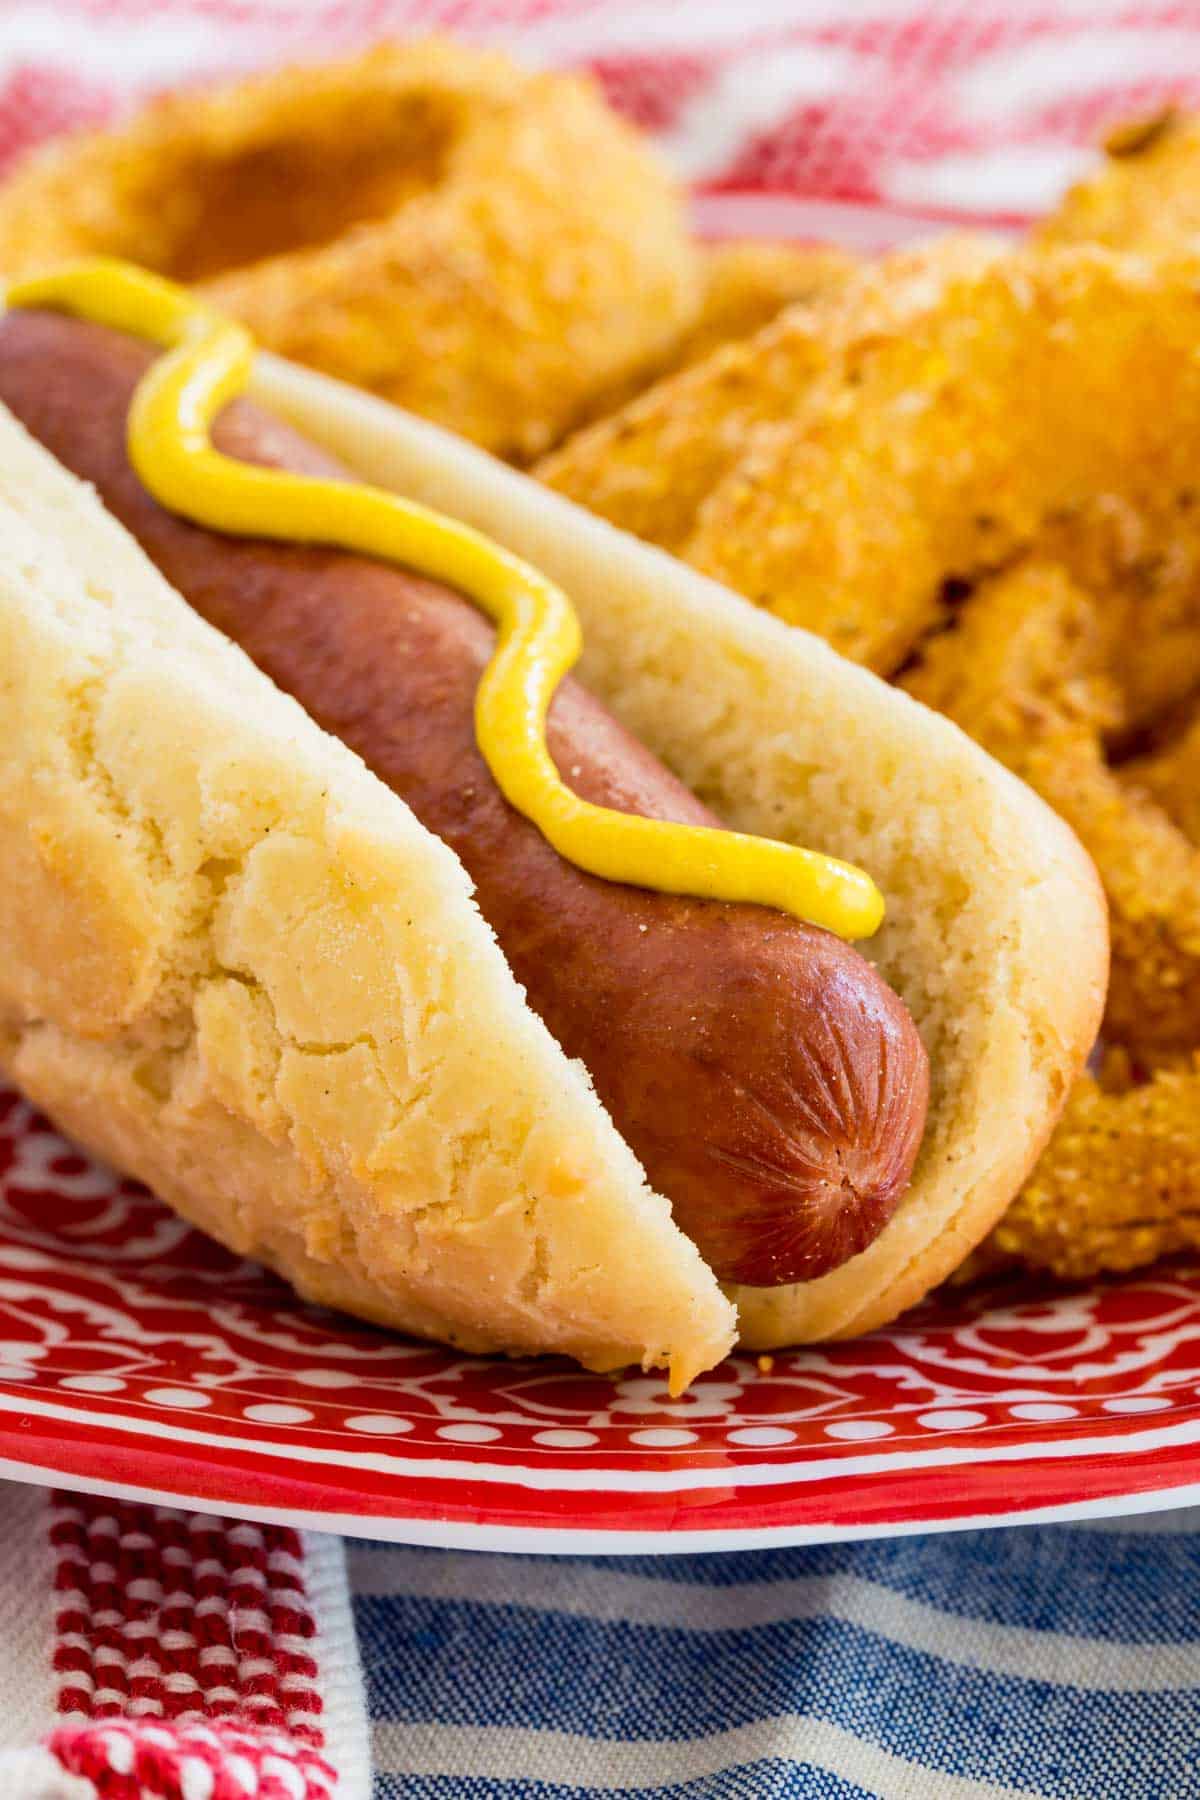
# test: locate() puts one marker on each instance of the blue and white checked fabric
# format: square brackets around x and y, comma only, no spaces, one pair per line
[1053,1661]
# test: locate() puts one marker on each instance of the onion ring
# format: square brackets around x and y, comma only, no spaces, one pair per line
[743,286]
[661,466]
[988,490]
[1144,196]
[485,246]
[1117,1186]
[1033,672]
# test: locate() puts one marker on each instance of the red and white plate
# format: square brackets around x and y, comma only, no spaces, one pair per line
[137,1358]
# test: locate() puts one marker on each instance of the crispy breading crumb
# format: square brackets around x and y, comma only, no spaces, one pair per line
[1119,1183]
[977,473]
[485,245]
[1144,196]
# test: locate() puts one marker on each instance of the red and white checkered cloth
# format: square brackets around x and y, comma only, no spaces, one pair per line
[147,1654]
[803,117]
[152,1654]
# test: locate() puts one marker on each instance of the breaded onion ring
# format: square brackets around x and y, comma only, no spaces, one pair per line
[1029,391]
[743,286]
[1144,196]
[662,464]
[1118,1184]
[1034,672]
[990,491]
[486,246]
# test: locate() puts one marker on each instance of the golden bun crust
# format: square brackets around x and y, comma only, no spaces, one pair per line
[233,963]
[996,935]
[488,246]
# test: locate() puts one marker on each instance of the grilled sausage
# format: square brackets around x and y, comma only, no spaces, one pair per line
[772,1085]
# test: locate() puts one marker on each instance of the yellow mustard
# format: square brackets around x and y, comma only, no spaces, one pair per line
[538,636]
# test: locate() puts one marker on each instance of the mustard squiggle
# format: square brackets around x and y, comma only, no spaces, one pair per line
[538,637]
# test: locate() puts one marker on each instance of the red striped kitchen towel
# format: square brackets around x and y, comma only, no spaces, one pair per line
[153,1654]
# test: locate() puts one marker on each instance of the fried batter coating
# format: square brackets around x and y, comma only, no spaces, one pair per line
[839,469]
[991,492]
[1144,196]
[652,466]
[1118,1184]
[487,246]
[1171,776]
[648,467]
[1033,672]
[747,283]
[1026,393]
[744,285]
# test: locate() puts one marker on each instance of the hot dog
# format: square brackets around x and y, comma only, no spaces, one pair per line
[770,1082]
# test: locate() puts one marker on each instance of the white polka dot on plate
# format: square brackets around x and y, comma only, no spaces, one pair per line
[1136,1403]
[1043,1412]
[94,1384]
[325,1378]
[663,1438]
[565,1440]
[950,1420]
[761,1436]
[16,1372]
[468,1433]
[185,1398]
[269,1412]
[859,1430]
[381,1424]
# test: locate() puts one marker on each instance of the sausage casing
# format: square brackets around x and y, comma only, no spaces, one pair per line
[772,1085]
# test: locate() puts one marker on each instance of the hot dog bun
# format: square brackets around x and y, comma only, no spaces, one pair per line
[996,936]
[233,963]
[767,1079]
[208,1069]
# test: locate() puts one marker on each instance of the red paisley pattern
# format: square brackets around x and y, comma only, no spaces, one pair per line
[140,1351]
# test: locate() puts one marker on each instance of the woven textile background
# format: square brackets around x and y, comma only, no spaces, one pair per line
[941,110]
